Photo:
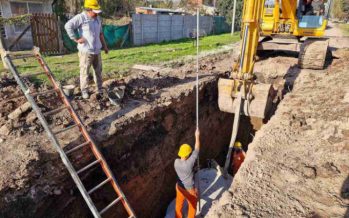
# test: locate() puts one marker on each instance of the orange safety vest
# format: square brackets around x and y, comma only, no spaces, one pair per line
[238,158]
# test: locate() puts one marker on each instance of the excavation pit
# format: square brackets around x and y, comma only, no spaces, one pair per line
[140,142]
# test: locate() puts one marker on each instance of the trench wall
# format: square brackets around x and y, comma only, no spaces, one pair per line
[141,150]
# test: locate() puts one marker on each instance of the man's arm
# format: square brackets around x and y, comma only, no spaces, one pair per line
[104,44]
[71,26]
[191,160]
[197,139]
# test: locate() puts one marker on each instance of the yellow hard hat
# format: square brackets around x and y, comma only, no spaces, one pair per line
[237,145]
[92,4]
[184,150]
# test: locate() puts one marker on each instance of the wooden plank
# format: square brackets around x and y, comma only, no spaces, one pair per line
[55,32]
[34,32]
[40,31]
[59,36]
[37,32]
[48,44]
[43,28]
[44,32]
[51,33]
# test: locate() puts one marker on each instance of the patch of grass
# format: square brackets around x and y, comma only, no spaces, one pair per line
[344,28]
[118,62]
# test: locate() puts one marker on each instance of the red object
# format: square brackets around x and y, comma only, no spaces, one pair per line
[189,195]
[238,158]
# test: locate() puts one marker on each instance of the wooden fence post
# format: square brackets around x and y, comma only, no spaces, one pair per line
[3,49]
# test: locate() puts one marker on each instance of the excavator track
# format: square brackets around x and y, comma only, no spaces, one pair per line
[313,54]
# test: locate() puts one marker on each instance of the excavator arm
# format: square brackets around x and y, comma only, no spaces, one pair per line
[252,14]
[241,93]
[242,80]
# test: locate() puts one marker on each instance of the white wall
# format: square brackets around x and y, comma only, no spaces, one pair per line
[158,28]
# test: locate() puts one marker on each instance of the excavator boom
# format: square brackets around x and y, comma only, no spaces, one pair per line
[254,96]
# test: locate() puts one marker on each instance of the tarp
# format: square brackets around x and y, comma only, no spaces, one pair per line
[221,25]
[115,37]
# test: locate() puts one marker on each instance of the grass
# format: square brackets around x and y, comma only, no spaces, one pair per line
[119,61]
[344,28]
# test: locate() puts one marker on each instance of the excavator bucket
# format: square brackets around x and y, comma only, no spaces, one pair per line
[258,105]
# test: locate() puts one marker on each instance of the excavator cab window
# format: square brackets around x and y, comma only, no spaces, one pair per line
[269,3]
[311,13]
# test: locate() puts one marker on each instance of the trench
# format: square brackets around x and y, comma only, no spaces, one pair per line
[141,148]
[142,151]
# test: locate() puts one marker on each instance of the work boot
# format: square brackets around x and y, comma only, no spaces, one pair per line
[99,95]
[85,94]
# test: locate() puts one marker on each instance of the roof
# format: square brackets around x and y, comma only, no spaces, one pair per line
[160,9]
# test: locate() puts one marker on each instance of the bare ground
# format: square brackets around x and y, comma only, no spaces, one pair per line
[297,164]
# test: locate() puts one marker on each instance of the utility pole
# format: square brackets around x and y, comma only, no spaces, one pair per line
[233,20]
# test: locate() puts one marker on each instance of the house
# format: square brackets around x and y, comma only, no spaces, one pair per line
[10,8]
[149,10]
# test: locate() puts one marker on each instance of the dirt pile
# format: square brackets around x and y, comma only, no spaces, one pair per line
[297,165]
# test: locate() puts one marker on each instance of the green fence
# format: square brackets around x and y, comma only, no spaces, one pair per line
[221,25]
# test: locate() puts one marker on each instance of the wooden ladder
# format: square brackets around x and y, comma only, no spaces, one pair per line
[99,159]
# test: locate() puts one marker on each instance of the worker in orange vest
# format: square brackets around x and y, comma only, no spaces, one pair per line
[185,187]
[238,157]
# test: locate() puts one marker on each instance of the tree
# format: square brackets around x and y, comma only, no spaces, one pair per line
[225,8]
[340,9]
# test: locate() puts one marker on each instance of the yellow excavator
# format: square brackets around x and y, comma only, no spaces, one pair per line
[296,25]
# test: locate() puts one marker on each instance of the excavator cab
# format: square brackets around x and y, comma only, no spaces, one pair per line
[312,15]
[297,26]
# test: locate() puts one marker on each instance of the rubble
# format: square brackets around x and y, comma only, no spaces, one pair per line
[19,111]
[6,129]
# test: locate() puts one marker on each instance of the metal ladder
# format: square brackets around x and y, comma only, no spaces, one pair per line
[8,57]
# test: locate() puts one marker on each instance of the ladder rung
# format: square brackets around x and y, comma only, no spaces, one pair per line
[23,56]
[55,110]
[98,186]
[88,166]
[43,93]
[110,205]
[65,129]
[32,74]
[77,147]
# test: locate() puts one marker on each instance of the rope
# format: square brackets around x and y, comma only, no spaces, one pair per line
[197,94]
[197,69]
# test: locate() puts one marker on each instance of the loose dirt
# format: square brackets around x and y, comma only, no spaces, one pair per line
[297,164]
